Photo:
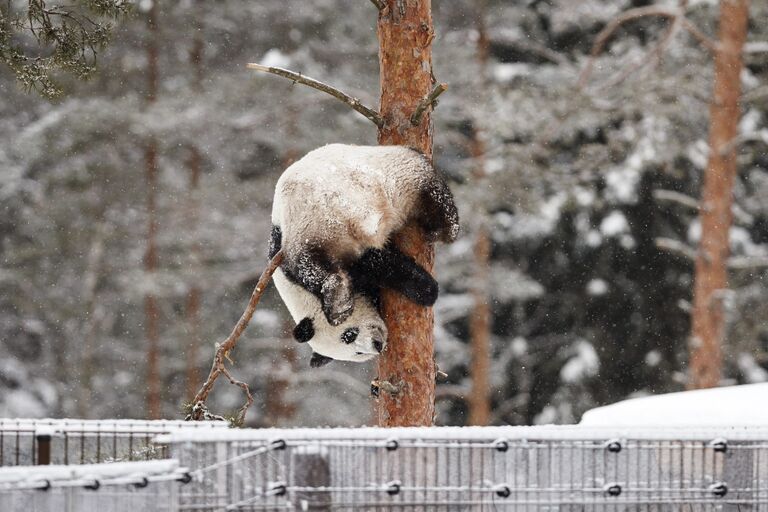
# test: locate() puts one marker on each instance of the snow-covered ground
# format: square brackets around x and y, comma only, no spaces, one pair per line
[718,407]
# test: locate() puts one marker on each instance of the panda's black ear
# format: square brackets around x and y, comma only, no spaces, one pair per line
[304,331]
[319,360]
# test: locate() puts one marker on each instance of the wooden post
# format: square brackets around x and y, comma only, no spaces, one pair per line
[43,449]
[405,62]
[711,281]
[310,469]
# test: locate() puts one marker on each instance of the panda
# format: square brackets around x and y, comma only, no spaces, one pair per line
[333,214]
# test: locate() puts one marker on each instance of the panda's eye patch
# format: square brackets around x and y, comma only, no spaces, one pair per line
[350,335]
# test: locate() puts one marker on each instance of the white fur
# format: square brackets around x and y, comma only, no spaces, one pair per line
[327,339]
[346,199]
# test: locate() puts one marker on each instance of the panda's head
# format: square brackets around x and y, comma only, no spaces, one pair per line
[359,338]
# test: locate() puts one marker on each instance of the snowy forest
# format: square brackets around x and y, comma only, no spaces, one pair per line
[135,206]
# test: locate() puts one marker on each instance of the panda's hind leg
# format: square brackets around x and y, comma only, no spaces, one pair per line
[328,282]
[437,211]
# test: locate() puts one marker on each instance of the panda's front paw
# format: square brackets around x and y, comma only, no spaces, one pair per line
[338,300]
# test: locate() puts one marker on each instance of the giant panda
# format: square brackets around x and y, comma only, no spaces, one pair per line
[333,214]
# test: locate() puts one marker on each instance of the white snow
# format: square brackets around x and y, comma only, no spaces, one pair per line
[615,223]
[18,474]
[718,407]
[585,363]
[653,358]
[752,371]
[276,59]
[597,287]
[148,426]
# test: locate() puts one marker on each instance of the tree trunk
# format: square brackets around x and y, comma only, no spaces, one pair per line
[711,279]
[150,256]
[405,63]
[192,309]
[480,321]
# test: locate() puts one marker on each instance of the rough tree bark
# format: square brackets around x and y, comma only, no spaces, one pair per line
[405,62]
[480,321]
[192,306]
[711,279]
[150,256]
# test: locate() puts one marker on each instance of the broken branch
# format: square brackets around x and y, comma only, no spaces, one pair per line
[371,114]
[380,5]
[428,101]
[223,349]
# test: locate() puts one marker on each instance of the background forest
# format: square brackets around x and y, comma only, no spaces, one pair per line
[573,193]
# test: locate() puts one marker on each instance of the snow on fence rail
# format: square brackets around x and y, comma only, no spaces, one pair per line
[505,468]
[67,441]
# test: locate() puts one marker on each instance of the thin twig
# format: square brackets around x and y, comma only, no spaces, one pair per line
[426,102]
[380,5]
[223,349]
[700,36]
[371,114]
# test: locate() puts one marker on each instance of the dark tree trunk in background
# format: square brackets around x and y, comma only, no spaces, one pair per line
[192,308]
[480,321]
[405,63]
[711,281]
[151,312]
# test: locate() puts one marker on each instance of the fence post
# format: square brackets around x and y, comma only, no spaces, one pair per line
[310,469]
[43,449]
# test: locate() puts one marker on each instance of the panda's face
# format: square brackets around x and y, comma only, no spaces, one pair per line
[359,338]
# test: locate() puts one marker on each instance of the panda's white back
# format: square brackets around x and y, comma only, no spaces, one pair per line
[347,198]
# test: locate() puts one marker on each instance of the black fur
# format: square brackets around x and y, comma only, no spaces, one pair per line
[275,241]
[314,271]
[304,330]
[438,215]
[390,268]
[318,360]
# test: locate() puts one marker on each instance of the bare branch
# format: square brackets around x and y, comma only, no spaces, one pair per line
[223,349]
[672,196]
[614,25]
[700,36]
[747,262]
[371,114]
[757,136]
[676,247]
[380,5]
[430,100]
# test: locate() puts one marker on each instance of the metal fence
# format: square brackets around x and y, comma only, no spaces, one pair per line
[474,469]
[117,487]
[49,441]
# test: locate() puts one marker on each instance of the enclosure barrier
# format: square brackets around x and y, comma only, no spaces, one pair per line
[506,468]
[114,487]
[548,468]
[49,441]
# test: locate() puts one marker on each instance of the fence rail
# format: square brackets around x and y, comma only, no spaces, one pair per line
[49,441]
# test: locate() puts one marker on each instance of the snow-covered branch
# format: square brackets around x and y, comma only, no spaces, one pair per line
[352,102]
[676,247]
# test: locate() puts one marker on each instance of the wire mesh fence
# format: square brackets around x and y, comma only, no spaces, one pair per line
[117,487]
[49,441]
[514,468]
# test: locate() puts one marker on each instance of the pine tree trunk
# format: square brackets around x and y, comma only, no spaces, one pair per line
[711,281]
[405,63]
[192,307]
[150,256]
[480,321]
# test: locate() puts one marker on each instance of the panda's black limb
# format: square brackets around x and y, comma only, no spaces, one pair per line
[314,271]
[390,268]
[437,214]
